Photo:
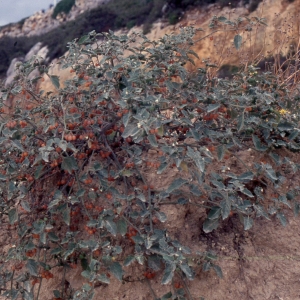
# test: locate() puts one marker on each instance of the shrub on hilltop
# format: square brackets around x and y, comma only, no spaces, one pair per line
[63,6]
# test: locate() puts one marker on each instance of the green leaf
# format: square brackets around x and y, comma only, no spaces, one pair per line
[122,227]
[55,80]
[84,39]
[193,53]
[126,173]
[141,197]
[126,119]
[218,184]
[282,218]
[92,195]
[284,200]
[25,205]
[237,41]
[222,19]
[116,270]
[275,157]
[240,123]
[211,255]
[161,216]
[248,222]
[246,176]
[14,294]
[161,168]
[103,278]
[210,225]
[69,164]
[247,192]
[66,215]
[43,238]
[290,195]
[195,190]
[160,131]
[182,201]
[214,213]
[130,130]
[218,270]
[285,126]
[212,107]
[53,237]
[168,273]
[17,144]
[187,271]
[260,212]
[68,253]
[56,251]
[176,184]
[80,193]
[152,140]
[140,259]
[53,203]
[4,95]
[11,187]
[296,209]
[257,143]
[220,152]
[38,171]
[154,262]
[63,145]
[167,296]
[293,135]
[38,226]
[271,174]
[225,208]
[56,293]
[13,216]
[206,266]
[198,159]
[85,265]
[111,226]
[3,177]
[129,260]
[17,89]
[33,267]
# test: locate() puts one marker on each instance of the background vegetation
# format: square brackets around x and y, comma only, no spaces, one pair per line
[63,6]
[113,15]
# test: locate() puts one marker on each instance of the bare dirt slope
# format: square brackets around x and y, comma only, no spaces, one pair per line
[260,264]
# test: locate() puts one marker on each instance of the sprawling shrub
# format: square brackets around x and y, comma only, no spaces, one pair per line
[63,6]
[74,183]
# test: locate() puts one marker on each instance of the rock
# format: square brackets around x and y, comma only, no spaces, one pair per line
[43,53]
[165,8]
[33,51]
[38,51]
[11,72]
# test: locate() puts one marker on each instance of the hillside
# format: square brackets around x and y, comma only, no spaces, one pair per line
[272,37]
[17,39]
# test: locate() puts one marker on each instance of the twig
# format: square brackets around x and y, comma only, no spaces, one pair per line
[185,286]
[151,289]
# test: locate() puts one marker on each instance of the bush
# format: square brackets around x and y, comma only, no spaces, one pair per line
[173,17]
[227,71]
[63,6]
[74,184]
